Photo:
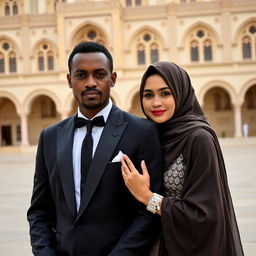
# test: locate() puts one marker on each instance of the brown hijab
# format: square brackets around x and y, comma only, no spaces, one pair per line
[188,114]
[203,221]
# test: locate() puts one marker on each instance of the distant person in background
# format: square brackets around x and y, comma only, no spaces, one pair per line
[245,130]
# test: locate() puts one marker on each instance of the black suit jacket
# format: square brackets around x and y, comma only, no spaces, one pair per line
[110,221]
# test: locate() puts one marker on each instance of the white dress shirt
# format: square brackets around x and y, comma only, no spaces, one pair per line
[79,136]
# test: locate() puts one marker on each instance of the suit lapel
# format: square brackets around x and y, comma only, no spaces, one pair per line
[65,163]
[110,137]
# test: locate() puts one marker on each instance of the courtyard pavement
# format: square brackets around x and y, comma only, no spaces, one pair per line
[17,167]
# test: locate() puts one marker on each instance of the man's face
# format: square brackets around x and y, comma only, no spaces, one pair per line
[90,80]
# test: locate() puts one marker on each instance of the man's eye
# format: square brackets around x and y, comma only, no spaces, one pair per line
[80,75]
[100,75]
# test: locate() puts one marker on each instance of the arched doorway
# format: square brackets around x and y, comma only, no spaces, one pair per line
[136,107]
[249,110]
[43,113]
[10,131]
[218,110]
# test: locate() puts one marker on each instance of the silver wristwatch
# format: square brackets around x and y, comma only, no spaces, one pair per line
[153,203]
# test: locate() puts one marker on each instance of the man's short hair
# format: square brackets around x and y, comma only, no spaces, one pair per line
[88,47]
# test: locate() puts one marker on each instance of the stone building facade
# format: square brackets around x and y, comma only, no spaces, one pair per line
[214,40]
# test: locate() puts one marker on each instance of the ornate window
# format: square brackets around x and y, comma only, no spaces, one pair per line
[133,3]
[2,66]
[147,49]
[154,53]
[249,42]
[12,62]
[141,55]
[41,61]
[247,48]
[45,57]
[15,9]
[128,2]
[7,10]
[50,60]
[89,33]
[8,57]
[207,50]
[201,46]
[194,53]
[11,8]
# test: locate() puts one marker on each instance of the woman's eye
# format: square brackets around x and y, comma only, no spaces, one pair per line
[166,93]
[147,95]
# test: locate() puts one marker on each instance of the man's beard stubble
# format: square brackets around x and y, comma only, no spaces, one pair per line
[93,106]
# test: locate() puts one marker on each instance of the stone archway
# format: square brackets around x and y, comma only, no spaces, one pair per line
[219,111]
[43,113]
[249,110]
[10,130]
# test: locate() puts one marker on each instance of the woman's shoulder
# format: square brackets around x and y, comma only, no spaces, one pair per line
[201,145]
[201,134]
[201,138]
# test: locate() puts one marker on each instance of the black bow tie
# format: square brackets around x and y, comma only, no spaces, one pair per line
[97,121]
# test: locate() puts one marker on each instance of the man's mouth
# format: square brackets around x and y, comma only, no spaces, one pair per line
[91,93]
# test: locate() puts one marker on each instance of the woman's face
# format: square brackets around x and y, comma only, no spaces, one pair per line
[158,101]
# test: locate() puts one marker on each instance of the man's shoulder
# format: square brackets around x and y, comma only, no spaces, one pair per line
[54,127]
[133,119]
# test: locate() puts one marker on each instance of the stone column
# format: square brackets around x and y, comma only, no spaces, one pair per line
[238,120]
[24,130]
[62,50]
[172,33]
[116,45]
[226,30]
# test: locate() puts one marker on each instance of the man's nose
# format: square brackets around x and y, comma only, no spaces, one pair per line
[90,82]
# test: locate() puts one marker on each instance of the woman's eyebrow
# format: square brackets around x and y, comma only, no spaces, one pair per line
[161,89]
[164,88]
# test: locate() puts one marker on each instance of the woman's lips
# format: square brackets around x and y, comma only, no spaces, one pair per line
[157,112]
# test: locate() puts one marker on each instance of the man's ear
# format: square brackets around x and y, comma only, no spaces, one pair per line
[69,80]
[113,79]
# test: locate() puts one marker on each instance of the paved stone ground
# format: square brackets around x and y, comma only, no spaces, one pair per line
[16,171]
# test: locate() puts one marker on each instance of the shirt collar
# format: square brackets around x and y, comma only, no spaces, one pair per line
[104,112]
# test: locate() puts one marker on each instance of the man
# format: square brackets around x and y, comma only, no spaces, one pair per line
[75,212]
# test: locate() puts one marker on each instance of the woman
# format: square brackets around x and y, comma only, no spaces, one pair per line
[196,210]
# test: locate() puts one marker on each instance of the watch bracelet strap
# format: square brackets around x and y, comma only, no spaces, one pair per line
[153,203]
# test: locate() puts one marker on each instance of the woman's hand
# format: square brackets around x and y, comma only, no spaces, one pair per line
[138,184]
